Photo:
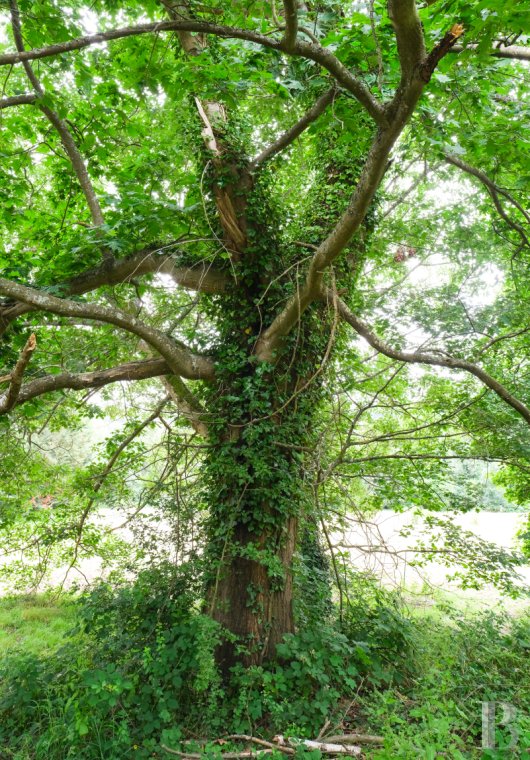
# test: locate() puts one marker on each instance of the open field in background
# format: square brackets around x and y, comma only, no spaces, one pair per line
[378,546]
[37,623]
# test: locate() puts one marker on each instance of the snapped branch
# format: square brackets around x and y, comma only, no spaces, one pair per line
[10,399]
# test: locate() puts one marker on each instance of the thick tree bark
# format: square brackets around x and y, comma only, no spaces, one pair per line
[247,602]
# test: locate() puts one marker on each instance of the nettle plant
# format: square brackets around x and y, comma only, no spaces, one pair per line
[202,198]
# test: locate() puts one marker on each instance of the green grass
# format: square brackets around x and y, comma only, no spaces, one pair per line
[35,624]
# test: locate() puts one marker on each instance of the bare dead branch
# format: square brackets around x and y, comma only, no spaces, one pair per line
[259,742]
[355,738]
[225,755]
[296,130]
[102,477]
[9,400]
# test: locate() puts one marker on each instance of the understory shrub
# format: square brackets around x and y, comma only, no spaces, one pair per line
[139,671]
[461,661]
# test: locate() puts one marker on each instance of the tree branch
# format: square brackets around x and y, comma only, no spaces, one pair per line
[440,50]
[337,240]
[67,140]
[103,475]
[494,191]
[515,52]
[98,379]
[201,276]
[305,49]
[296,130]
[18,100]
[291,24]
[397,113]
[180,360]
[420,357]
[409,36]
[499,338]
[9,400]
[186,403]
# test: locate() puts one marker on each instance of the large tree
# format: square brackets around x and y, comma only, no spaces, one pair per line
[211,194]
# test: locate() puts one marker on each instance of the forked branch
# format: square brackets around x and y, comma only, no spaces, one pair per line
[397,113]
[304,49]
[422,357]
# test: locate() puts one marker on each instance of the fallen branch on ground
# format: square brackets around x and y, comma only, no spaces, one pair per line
[285,745]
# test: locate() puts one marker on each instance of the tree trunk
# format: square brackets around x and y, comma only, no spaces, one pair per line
[249,603]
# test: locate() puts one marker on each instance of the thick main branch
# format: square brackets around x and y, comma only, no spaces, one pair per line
[201,276]
[78,381]
[181,360]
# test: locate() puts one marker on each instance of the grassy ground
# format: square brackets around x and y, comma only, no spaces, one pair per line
[456,661]
[35,624]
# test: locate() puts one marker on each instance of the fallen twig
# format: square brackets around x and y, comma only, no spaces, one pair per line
[352,738]
[326,747]
[225,755]
[261,742]
[335,745]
